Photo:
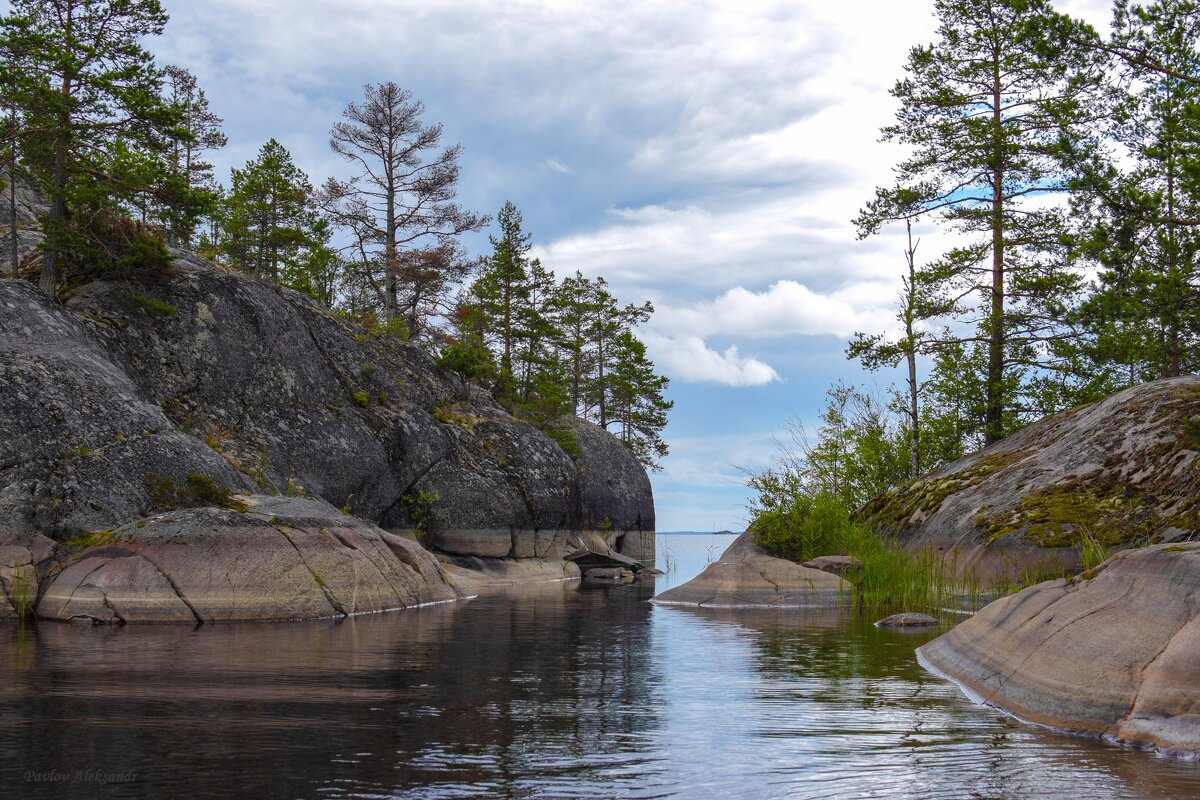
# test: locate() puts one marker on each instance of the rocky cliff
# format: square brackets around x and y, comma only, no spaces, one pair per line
[136,399]
[1122,472]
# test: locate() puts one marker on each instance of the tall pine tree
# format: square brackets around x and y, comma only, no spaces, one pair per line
[86,82]
[271,227]
[983,111]
[1143,203]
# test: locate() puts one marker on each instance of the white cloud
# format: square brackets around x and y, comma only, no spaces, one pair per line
[558,166]
[690,360]
[702,248]
[787,308]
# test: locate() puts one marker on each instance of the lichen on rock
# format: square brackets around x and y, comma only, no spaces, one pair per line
[1122,472]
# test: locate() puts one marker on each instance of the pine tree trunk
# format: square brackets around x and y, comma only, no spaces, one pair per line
[391,293]
[911,356]
[1174,361]
[12,199]
[12,214]
[600,381]
[994,391]
[57,221]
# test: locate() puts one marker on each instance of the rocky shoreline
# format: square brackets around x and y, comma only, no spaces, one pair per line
[1108,652]
[205,435]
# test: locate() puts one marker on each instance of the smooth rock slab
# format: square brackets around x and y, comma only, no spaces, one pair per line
[283,558]
[1113,655]
[487,543]
[747,576]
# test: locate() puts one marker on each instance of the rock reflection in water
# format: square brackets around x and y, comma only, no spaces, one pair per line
[566,690]
[540,686]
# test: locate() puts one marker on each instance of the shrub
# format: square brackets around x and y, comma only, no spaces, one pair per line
[153,306]
[806,526]
[420,509]
[468,358]
[197,490]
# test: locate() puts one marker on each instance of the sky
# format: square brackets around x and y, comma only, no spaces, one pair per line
[706,156]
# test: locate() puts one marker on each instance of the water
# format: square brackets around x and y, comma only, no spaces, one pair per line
[562,691]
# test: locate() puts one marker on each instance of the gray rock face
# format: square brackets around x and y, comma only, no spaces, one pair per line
[281,558]
[747,576]
[1111,653]
[614,493]
[137,398]
[1122,468]
[77,438]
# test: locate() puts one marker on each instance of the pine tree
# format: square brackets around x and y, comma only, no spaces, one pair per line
[606,321]
[984,110]
[502,291]
[875,350]
[199,132]
[571,310]
[638,403]
[85,81]
[12,129]
[1144,318]
[270,223]
[400,198]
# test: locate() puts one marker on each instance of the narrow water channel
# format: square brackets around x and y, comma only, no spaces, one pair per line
[567,690]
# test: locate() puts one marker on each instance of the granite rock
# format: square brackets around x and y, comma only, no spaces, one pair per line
[1110,653]
[747,576]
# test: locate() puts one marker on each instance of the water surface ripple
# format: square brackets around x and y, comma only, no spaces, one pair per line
[563,691]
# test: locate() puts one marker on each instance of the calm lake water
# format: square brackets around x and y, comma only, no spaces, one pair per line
[564,691]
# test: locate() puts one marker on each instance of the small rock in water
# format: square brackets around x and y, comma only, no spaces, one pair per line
[907,620]
[604,573]
[845,566]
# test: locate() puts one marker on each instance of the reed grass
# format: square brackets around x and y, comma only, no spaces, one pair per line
[892,579]
[1091,550]
[669,560]
[20,581]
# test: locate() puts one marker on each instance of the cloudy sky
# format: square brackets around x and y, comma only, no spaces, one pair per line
[707,156]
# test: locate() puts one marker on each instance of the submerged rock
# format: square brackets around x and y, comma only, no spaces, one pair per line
[907,620]
[1122,468]
[747,576]
[1111,653]
[280,558]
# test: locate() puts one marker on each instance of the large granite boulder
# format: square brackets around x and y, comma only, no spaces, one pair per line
[78,440]
[1110,653]
[268,558]
[140,396]
[747,576]
[615,499]
[1121,470]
